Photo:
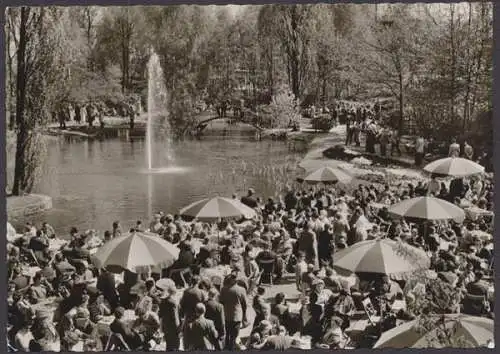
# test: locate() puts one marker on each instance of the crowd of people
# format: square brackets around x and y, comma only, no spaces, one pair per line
[95,111]
[68,304]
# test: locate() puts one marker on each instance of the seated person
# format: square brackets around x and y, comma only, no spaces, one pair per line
[88,330]
[119,326]
[478,287]
[98,308]
[38,244]
[266,255]
[331,280]
[84,275]
[147,324]
[38,291]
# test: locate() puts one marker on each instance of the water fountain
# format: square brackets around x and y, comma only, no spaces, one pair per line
[158,133]
[159,152]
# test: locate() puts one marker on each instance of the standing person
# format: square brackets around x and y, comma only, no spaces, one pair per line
[454,150]
[116,229]
[90,114]
[233,298]
[100,115]
[419,150]
[394,140]
[190,298]
[61,114]
[78,113]
[349,130]
[307,243]
[201,333]
[131,116]
[250,200]
[326,245]
[170,319]
[384,141]
[468,151]
[215,312]
[357,132]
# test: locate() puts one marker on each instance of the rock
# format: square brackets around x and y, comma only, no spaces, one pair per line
[20,206]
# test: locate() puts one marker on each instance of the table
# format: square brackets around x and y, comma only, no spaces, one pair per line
[103,326]
[30,271]
[219,271]
[474,212]
[50,304]
[294,307]
[55,244]
[398,305]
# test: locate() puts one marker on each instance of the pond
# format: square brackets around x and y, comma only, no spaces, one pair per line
[94,183]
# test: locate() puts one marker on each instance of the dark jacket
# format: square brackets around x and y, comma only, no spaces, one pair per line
[234,300]
[119,327]
[170,317]
[201,335]
[191,297]
[107,286]
[215,313]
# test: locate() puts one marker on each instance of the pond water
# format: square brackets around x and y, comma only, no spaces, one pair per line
[94,183]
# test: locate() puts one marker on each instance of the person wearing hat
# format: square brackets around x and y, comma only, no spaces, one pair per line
[170,319]
[234,299]
[215,312]
[201,334]
[249,200]
[156,226]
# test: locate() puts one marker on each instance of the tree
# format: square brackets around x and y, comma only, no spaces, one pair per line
[293,29]
[39,79]
[282,112]
[394,55]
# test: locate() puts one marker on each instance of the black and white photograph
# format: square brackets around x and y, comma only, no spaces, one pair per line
[249,177]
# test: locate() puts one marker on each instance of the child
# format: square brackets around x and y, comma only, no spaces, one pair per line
[300,269]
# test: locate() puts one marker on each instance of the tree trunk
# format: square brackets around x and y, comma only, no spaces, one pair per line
[22,133]
[401,103]
[453,62]
[11,86]
[469,74]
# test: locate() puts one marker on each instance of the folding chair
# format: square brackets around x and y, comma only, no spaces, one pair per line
[370,311]
[267,268]
[116,343]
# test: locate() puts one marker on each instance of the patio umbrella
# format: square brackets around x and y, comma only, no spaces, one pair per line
[427,208]
[454,166]
[314,164]
[381,256]
[482,235]
[217,208]
[467,331]
[328,175]
[137,252]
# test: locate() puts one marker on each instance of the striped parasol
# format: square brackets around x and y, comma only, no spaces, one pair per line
[427,208]
[328,175]
[381,256]
[217,208]
[464,331]
[137,252]
[454,166]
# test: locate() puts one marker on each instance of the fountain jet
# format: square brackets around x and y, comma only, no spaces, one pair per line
[158,132]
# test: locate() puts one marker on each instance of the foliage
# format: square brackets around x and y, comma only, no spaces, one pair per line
[433,60]
[282,112]
[323,123]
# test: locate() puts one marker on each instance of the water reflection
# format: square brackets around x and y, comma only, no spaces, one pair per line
[92,187]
